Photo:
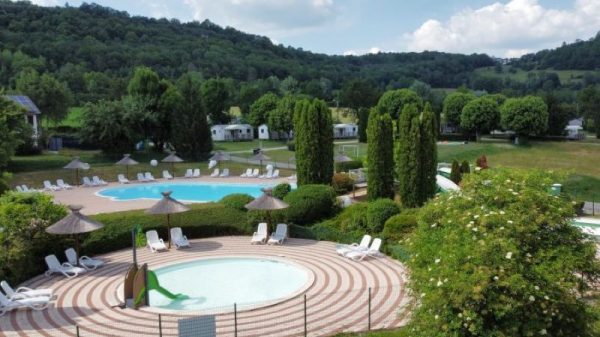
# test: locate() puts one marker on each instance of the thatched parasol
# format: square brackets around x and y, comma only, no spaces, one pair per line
[219,156]
[77,165]
[74,224]
[260,156]
[267,202]
[168,206]
[172,158]
[126,161]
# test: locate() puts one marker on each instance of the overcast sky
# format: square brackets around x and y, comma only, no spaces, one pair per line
[502,28]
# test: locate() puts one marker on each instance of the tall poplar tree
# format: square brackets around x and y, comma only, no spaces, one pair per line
[406,155]
[380,156]
[325,147]
[428,154]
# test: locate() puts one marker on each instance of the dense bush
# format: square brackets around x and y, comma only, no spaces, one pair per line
[291,145]
[281,190]
[236,201]
[501,259]
[342,183]
[203,220]
[310,203]
[378,212]
[24,218]
[349,165]
[398,226]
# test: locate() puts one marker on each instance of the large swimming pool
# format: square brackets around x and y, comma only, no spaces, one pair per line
[191,192]
[218,283]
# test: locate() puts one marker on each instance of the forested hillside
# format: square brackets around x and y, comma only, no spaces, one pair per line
[94,50]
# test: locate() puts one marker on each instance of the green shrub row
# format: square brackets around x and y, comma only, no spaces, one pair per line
[349,165]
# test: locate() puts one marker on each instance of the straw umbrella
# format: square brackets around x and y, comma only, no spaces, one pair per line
[126,161]
[260,156]
[168,206]
[172,158]
[267,202]
[74,224]
[220,156]
[77,165]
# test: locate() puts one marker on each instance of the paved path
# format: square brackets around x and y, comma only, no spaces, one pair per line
[336,298]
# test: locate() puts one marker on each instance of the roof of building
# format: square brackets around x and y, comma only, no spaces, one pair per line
[25,102]
[238,126]
[341,126]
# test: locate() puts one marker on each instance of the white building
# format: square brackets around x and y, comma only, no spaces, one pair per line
[31,113]
[264,133]
[575,132]
[345,130]
[231,132]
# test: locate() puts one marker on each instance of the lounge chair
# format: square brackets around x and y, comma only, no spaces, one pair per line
[293,177]
[246,174]
[280,234]
[215,173]
[363,245]
[188,173]
[84,261]
[178,239]
[122,180]
[141,178]
[373,251]
[149,176]
[35,303]
[87,182]
[27,189]
[255,173]
[196,173]
[225,173]
[61,183]
[98,182]
[24,292]
[260,236]
[49,187]
[66,268]
[167,175]
[268,175]
[275,174]
[154,242]
[19,188]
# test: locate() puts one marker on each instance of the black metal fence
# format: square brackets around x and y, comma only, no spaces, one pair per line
[323,314]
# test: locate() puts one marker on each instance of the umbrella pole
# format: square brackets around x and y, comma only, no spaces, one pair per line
[173,169]
[169,230]
[77,248]
[127,171]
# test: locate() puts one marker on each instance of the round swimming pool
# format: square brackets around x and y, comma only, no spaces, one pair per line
[218,283]
[191,192]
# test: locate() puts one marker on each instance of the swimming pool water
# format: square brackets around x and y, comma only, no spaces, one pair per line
[192,192]
[221,282]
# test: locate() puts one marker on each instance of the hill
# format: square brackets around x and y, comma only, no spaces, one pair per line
[91,45]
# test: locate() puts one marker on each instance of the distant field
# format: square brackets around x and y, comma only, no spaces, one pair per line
[565,76]
[73,118]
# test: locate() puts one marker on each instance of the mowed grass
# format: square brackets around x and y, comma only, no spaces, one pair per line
[248,145]
[565,76]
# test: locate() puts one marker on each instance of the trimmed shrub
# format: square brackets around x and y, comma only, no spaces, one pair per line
[310,203]
[482,162]
[236,201]
[455,172]
[349,165]
[281,190]
[342,183]
[399,225]
[328,230]
[378,212]
[465,167]
[291,145]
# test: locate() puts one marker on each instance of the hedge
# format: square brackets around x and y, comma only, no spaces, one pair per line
[281,190]
[378,212]
[349,165]
[400,225]
[310,203]
[237,201]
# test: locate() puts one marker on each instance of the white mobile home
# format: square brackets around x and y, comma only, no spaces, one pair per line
[232,132]
[264,133]
[345,131]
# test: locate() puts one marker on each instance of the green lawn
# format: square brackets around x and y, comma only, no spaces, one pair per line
[72,120]
[249,145]
[565,76]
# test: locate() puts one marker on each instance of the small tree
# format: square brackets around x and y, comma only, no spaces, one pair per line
[526,116]
[394,101]
[261,108]
[363,121]
[454,104]
[428,155]
[216,98]
[380,156]
[406,157]
[455,172]
[465,168]
[480,115]
[482,162]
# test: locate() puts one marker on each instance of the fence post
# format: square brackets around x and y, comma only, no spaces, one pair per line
[235,319]
[77,330]
[159,325]
[369,325]
[305,318]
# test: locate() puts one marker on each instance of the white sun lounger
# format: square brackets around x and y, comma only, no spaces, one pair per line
[275,174]
[154,242]
[149,176]
[66,268]
[246,174]
[373,251]
[293,177]
[363,245]
[268,175]
[255,173]
[87,182]
[188,173]
[225,173]
[196,173]
[19,188]
[35,303]
[178,239]
[141,178]
[84,261]
[24,292]
[98,182]
[49,187]
[27,189]
[281,233]
[167,175]
[260,236]
[61,183]
[122,180]
[215,173]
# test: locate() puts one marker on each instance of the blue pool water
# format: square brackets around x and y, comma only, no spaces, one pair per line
[218,283]
[192,192]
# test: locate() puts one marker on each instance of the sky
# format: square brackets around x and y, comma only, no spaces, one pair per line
[506,28]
